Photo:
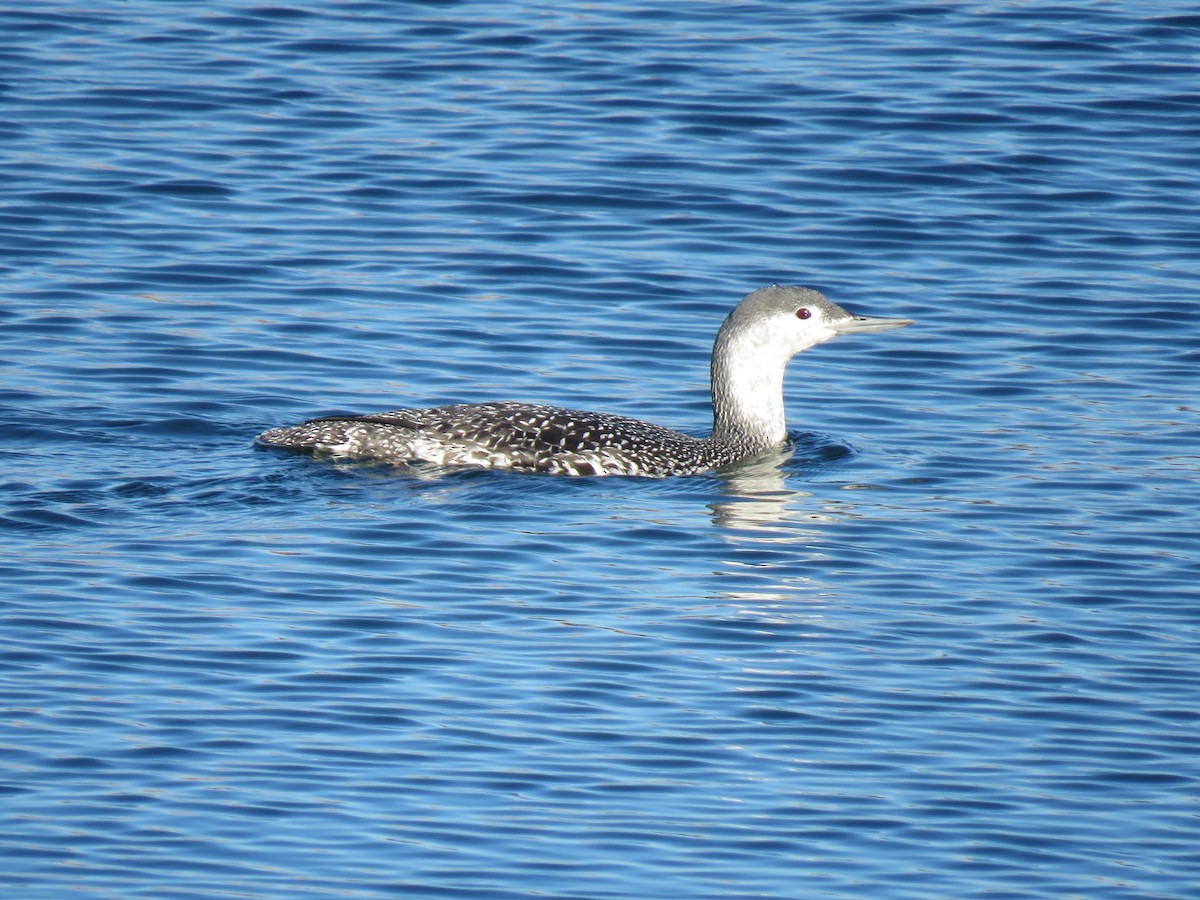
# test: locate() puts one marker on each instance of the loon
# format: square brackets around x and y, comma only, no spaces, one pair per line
[753,347]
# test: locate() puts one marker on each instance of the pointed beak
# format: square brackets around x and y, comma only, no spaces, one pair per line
[868,323]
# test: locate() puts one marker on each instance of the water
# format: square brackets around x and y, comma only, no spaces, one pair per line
[946,649]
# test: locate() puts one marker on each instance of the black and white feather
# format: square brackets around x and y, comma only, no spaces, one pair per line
[749,357]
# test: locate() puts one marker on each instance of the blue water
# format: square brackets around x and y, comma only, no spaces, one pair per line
[948,648]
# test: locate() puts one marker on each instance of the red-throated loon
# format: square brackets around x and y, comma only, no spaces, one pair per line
[749,356]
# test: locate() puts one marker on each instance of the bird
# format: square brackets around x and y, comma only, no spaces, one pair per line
[750,354]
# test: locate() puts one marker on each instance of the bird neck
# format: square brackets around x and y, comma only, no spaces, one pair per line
[747,392]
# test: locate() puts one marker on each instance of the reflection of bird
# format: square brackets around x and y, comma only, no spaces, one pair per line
[751,352]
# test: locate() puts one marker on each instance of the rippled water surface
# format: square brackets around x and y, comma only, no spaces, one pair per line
[947,648]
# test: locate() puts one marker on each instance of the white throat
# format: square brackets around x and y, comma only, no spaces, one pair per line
[747,385]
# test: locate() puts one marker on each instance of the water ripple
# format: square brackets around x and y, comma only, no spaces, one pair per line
[943,647]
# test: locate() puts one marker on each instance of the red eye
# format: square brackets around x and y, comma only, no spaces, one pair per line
[803,313]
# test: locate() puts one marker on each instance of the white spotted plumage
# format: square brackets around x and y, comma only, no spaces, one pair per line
[750,354]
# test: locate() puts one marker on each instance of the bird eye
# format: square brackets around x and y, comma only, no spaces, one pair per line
[803,313]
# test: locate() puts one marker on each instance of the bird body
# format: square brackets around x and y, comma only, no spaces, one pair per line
[749,358]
